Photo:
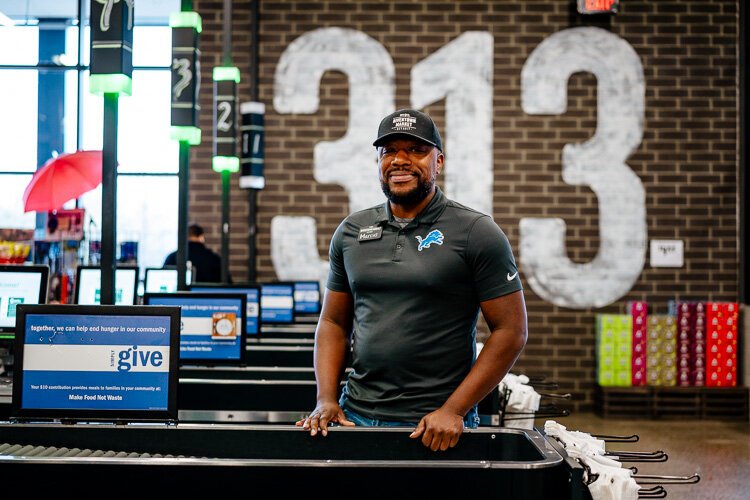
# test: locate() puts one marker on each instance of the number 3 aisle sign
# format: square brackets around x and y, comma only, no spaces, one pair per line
[461,73]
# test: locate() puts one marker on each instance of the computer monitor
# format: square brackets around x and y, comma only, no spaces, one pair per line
[307,297]
[110,363]
[163,279]
[20,284]
[277,303]
[212,331]
[87,290]
[251,290]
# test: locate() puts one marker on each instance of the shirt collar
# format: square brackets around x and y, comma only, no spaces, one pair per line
[429,215]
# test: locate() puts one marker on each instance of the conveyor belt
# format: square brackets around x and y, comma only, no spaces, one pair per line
[19,450]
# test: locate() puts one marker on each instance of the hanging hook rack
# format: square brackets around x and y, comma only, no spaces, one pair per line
[522,415]
[556,396]
[640,456]
[634,438]
[545,385]
[659,479]
[589,476]
[655,492]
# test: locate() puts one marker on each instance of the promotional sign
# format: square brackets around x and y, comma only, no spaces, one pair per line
[65,224]
[277,303]
[252,309]
[95,362]
[212,325]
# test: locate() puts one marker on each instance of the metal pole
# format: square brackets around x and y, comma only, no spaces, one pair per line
[252,194]
[227,61]
[225,226]
[183,203]
[109,198]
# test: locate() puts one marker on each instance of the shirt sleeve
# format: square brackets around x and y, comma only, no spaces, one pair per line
[491,259]
[338,280]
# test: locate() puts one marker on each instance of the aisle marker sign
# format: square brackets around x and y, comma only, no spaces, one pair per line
[226,79]
[186,76]
[111,68]
[253,138]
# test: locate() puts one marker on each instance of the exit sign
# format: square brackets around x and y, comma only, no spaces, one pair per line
[598,6]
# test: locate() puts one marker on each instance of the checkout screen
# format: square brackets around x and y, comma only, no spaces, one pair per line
[211,327]
[17,288]
[98,362]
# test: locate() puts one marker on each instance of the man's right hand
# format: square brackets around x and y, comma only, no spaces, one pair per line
[321,416]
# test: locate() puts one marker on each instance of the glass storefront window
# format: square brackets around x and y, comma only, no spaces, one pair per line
[144,145]
[11,203]
[18,120]
[146,213]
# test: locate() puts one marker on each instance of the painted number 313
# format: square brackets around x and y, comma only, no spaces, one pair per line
[461,73]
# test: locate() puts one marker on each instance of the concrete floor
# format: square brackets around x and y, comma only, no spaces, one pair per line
[717,450]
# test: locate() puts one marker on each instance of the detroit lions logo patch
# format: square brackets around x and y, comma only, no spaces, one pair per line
[434,236]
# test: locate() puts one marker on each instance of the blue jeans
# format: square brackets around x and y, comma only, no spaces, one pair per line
[471,420]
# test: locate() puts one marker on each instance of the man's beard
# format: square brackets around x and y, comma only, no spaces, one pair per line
[412,197]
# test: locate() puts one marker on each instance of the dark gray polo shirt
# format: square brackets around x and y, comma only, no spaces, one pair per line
[416,301]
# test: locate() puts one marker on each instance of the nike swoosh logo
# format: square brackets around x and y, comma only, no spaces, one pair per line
[510,278]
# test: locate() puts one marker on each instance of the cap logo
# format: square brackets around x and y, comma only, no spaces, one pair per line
[404,121]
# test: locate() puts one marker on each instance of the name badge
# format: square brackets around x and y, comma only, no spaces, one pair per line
[370,233]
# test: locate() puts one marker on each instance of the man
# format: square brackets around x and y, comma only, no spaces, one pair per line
[206,263]
[407,280]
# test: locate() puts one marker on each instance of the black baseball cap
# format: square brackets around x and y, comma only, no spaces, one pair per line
[409,123]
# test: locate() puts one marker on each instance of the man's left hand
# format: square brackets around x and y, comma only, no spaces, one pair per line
[439,430]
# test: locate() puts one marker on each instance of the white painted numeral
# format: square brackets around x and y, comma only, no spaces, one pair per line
[461,72]
[598,163]
[224,109]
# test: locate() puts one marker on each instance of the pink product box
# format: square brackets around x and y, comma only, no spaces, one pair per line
[685,349]
[639,322]
[700,308]
[638,377]
[698,378]
[638,363]
[685,363]
[639,335]
[685,323]
[699,348]
[639,349]
[638,307]
[699,362]
[684,378]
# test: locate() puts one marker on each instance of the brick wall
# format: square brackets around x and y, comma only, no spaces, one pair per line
[687,160]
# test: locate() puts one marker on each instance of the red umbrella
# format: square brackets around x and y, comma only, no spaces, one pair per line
[61,179]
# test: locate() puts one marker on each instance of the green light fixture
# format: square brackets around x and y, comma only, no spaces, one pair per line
[225,157]
[111,68]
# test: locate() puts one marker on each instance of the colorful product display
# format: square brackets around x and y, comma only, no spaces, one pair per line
[661,350]
[614,347]
[639,314]
[691,342]
[695,344]
[721,344]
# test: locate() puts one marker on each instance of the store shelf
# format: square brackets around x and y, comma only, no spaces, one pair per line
[726,403]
